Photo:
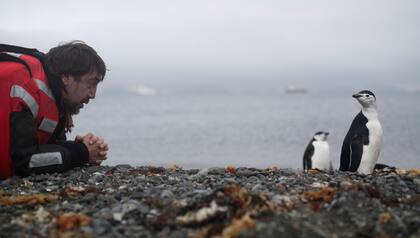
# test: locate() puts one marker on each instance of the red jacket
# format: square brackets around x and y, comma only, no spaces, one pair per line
[25,93]
[18,90]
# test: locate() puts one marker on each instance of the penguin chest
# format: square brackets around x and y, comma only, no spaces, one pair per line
[371,151]
[321,156]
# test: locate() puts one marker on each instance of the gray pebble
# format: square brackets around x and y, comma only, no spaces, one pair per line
[216,171]
[166,194]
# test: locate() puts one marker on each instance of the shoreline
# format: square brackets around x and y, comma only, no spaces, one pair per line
[126,201]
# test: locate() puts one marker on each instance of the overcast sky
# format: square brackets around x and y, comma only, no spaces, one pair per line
[163,41]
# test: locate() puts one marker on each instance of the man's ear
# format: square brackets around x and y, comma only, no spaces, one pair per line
[66,79]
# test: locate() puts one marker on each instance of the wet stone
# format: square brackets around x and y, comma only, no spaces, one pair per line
[123,167]
[230,180]
[192,171]
[40,177]
[244,172]
[257,187]
[90,197]
[216,171]
[167,194]
[97,178]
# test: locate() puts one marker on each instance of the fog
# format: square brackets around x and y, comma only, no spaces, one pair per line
[324,44]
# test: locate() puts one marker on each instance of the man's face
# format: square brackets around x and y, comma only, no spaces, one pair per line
[79,92]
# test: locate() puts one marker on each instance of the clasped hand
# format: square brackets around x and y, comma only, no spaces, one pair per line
[96,146]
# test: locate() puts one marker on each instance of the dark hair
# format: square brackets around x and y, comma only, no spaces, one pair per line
[74,58]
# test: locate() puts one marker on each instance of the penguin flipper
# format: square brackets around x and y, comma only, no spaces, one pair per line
[345,155]
[309,152]
[356,152]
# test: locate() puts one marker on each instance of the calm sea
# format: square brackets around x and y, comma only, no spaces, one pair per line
[203,129]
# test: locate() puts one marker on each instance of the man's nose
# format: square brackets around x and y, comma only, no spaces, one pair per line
[92,93]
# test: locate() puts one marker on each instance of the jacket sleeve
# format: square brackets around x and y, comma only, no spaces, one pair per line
[30,157]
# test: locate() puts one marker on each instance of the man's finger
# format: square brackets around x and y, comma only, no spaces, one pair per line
[104,146]
[100,160]
[78,138]
[93,140]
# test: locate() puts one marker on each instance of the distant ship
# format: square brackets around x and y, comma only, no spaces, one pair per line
[144,91]
[294,89]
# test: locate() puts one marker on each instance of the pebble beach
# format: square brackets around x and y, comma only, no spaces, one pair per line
[126,201]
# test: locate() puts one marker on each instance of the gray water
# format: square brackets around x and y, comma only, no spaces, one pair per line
[196,130]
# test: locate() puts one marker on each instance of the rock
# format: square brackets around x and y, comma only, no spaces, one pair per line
[244,172]
[51,188]
[192,171]
[143,209]
[40,177]
[88,198]
[123,167]
[166,194]
[257,187]
[96,178]
[229,180]
[216,171]
[104,213]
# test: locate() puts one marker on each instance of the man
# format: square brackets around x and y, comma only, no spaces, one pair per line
[39,93]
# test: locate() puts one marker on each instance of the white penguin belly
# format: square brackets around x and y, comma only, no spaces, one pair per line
[371,151]
[321,156]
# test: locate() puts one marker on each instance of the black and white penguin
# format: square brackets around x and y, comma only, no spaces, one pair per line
[317,153]
[362,144]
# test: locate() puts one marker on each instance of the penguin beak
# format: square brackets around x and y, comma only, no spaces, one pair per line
[356,95]
[327,133]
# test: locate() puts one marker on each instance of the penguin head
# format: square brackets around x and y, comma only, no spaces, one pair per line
[321,136]
[365,97]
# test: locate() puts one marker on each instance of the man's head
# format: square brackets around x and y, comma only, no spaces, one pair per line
[80,69]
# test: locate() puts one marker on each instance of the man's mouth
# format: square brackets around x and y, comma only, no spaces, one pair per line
[83,103]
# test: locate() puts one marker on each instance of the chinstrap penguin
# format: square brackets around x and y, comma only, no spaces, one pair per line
[317,153]
[362,144]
